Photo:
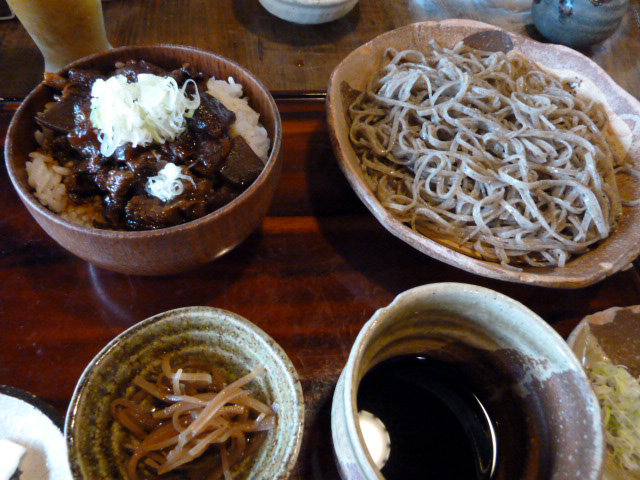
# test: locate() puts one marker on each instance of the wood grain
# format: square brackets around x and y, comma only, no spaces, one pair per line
[287,56]
[310,277]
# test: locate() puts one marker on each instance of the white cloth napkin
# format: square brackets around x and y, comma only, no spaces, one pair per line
[10,455]
[45,455]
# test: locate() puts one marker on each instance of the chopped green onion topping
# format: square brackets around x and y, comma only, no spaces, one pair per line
[153,109]
[618,393]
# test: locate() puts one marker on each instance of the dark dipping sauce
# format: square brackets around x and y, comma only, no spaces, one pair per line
[220,166]
[438,427]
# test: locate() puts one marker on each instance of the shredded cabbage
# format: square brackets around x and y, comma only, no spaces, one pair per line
[618,393]
[153,109]
[167,184]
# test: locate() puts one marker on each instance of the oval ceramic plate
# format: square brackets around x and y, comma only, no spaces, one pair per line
[610,336]
[353,73]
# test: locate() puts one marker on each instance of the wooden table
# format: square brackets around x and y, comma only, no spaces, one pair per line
[319,266]
[289,57]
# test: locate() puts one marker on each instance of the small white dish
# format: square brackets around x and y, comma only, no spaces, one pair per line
[28,421]
[309,11]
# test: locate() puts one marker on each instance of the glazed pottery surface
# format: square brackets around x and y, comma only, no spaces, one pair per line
[610,336]
[232,343]
[352,75]
[548,418]
[578,23]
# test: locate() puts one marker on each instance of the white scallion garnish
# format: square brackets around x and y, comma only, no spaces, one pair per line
[167,184]
[153,109]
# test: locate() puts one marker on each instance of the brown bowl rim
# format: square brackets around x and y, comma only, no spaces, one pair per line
[27,196]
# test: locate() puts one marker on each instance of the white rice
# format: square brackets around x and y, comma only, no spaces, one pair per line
[46,182]
[247,121]
[45,175]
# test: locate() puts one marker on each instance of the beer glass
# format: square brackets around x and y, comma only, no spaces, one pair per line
[63,30]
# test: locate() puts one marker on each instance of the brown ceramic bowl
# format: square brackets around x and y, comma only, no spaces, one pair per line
[353,73]
[167,250]
[232,343]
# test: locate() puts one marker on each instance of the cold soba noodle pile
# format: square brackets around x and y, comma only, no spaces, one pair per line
[486,151]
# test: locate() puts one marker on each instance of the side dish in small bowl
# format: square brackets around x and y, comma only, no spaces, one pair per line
[192,393]
[608,346]
[147,160]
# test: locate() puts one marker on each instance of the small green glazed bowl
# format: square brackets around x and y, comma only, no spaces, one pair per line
[95,441]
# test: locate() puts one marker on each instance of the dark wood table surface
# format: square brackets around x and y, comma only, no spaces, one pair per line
[287,56]
[318,267]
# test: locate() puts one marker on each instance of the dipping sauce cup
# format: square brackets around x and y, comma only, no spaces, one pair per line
[538,419]
[64,30]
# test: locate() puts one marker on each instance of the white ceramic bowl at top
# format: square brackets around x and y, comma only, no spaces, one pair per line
[545,415]
[309,11]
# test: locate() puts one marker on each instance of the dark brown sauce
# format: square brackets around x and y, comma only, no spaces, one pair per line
[439,428]
[216,167]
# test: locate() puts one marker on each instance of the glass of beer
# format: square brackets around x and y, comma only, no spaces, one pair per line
[64,30]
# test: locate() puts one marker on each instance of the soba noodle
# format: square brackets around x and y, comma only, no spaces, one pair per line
[485,151]
[189,421]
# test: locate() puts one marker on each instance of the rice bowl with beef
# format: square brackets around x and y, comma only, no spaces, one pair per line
[167,250]
[51,173]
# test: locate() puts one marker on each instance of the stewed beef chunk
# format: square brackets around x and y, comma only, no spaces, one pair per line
[83,79]
[60,149]
[59,116]
[125,153]
[242,166]
[148,213]
[84,138]
[212,117]
[211,156]
[145,163]
[112,210]
[131,68]
[90,166]
[119,182]
[180,149]
[184,73]
[80,187]
[221,195]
